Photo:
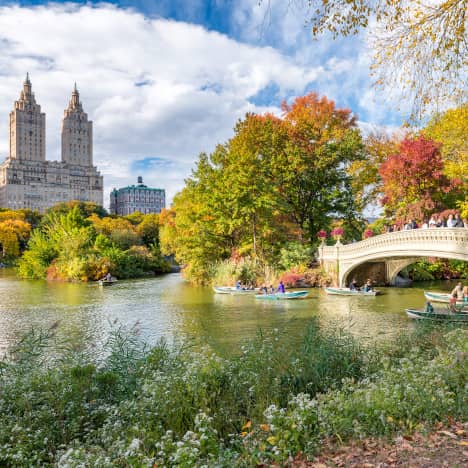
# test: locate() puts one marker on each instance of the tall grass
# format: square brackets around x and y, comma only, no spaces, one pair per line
[133,406]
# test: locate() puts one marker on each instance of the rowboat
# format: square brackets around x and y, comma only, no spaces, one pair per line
[441,297]
[234,290]
[280,296]
[350,292]
[437,314]
[107,282]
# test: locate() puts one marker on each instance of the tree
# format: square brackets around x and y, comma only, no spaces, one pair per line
[13,233]
[414,183]
[277,180]
[85,209]
[148,229]
[419,46]
[249,200]
[366,182]
[451,130]
[120,230]
[312,175]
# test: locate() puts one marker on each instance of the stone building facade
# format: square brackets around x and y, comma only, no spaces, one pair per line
[128,200]
[27,179]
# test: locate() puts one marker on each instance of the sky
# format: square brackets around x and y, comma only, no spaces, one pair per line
[163,81]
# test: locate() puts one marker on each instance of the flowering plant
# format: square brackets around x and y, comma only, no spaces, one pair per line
[337,232]
[322,234]
[367,233]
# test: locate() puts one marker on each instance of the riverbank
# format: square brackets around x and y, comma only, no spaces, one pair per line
[445,446]
[188,406]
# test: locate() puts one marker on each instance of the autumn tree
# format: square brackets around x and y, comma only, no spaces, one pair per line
[194,236]
[312,174]
[451,130]
[120,230]
[148,229]
[277,180]
[414,183]
[14,233]
[249,193]
[366,182]
[420,46]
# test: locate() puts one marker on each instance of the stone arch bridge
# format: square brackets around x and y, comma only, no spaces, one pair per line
[384,256]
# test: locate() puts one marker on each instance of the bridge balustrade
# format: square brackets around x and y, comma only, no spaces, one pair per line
[415,243]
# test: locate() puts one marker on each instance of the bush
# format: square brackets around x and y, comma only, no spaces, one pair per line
[188,407]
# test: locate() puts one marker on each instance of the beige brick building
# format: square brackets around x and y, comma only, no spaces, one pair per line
[27,179]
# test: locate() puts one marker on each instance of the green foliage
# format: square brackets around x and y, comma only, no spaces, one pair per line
[187,407]
[70,246]
[276,181]
[401,396]
[295,254]
[85,209]
[47,404]
[437,269]
[35,261]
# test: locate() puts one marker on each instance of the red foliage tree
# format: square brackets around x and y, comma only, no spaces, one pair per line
[414,184]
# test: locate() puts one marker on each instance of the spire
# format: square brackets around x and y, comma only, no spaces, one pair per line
[75,103]
[26,93]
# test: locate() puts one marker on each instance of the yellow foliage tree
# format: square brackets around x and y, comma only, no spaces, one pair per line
[366,180]
[12,232]
[451,129]
[11,214]
[420,46]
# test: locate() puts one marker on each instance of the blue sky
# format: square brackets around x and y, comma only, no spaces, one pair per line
[165,80]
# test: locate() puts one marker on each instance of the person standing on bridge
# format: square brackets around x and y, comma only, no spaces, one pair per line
[451,221]
[458,221]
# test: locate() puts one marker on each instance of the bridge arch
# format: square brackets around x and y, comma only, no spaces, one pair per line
[396,250]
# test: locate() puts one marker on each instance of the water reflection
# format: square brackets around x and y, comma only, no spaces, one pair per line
[168,307]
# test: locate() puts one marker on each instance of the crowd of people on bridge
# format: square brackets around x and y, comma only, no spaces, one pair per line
[435,221]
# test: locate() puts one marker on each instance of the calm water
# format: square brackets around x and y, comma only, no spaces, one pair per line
[168,307]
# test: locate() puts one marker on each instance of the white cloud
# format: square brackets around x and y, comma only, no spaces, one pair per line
[153,87]
[163,89]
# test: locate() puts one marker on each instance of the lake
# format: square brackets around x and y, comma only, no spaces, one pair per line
[167,306]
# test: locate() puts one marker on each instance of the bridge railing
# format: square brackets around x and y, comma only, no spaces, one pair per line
[392,240]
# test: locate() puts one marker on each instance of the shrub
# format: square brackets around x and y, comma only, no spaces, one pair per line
[130,406]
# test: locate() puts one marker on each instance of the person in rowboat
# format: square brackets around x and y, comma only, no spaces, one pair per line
[353,285]
[458,290]
[429,308]
[281,287]
[107,278]
[368,286]
[453,303]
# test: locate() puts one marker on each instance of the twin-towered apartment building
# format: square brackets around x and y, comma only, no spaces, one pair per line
[28,180]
